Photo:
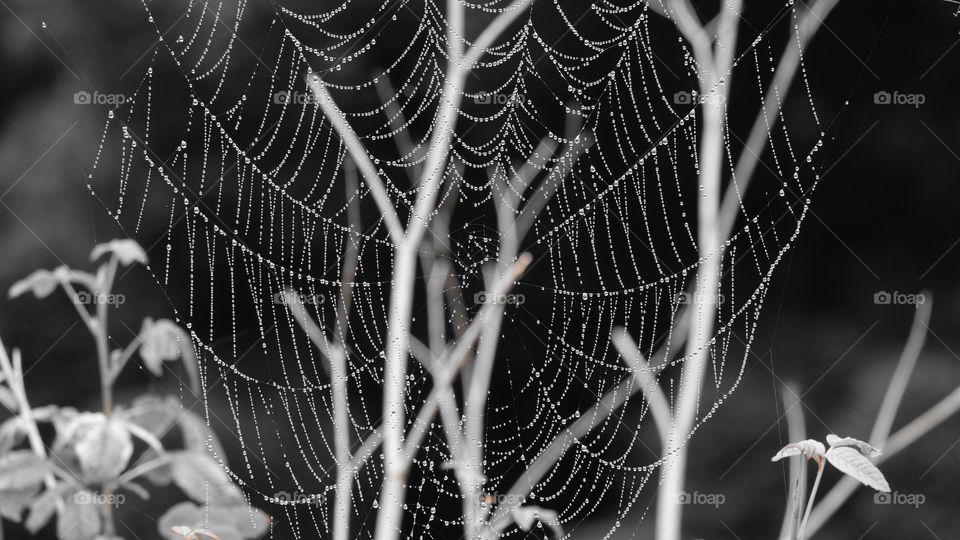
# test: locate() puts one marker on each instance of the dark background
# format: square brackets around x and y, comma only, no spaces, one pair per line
[884,219]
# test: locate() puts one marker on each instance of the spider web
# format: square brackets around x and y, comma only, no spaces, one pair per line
[222,145]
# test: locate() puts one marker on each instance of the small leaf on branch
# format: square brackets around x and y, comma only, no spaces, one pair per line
[808,448]
[853,463]
[41,283]
[164,340]
[856,444]
[125,250]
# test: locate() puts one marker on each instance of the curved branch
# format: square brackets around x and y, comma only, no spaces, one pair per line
[359,154]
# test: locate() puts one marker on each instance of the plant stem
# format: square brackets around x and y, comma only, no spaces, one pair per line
[99,330]
[813,494]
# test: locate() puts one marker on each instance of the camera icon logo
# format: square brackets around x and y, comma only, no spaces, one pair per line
[882,498]
[684,98]
[882,298]
[882,98]
[82,97]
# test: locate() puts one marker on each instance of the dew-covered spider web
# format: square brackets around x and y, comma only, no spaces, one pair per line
[223,165]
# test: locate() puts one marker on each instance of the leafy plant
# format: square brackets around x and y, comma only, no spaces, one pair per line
[849,455]
[88,468]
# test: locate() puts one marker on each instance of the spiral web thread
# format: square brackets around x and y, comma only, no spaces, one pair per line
[251,201]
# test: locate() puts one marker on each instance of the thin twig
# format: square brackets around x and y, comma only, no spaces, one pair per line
[657,401]
[813,493]
[901,376]
[359,154]
[796,431]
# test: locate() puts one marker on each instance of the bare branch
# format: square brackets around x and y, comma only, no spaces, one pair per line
[901,376]
[796,431]
[359,154]
[298,310]
[365,451]
[348,273]
[727,30]
[554,179]
[453,360]
[588,420]
[336,356]
[448,403]
[659,406]
[401,135]
[684,16]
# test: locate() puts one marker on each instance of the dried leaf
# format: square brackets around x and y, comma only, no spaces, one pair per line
[182,514]
[850,461]
[808,448]
[126,251]
[240,521]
